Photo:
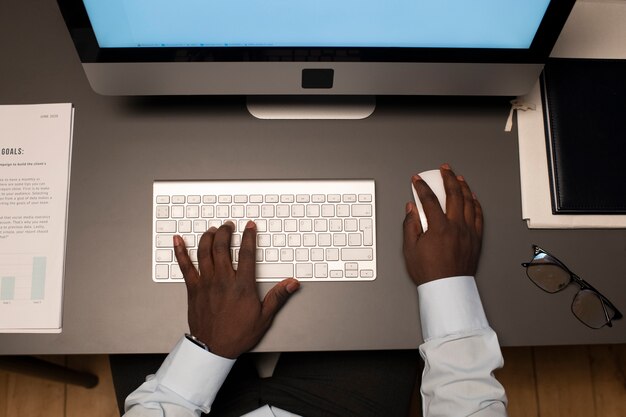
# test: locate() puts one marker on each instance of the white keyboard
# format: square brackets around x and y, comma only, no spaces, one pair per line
[313,230]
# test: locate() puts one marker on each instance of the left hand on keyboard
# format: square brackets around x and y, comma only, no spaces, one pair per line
[224,310]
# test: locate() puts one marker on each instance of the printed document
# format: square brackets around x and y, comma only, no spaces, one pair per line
[35,155]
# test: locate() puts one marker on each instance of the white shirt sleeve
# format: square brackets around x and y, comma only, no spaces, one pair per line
[460,352]
[184,386]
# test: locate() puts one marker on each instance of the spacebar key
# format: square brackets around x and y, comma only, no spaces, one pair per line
[274,270]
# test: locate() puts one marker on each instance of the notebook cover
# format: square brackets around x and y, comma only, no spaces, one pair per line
[585,119]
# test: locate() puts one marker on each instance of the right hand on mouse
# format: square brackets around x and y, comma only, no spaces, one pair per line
[224,310]
[451,245]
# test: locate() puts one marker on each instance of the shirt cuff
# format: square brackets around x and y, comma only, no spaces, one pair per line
[450,306]
[193,373]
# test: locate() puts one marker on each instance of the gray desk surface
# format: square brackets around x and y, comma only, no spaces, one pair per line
[121,145]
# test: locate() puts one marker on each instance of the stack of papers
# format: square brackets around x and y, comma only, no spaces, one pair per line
[35,155]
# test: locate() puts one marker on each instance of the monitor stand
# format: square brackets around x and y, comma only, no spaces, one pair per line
[311,107]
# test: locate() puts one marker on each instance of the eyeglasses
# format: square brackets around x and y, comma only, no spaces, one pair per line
[551,275]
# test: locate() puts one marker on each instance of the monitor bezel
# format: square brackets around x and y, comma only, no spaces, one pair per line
[83,36]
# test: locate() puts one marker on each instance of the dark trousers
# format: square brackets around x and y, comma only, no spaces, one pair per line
[368,383]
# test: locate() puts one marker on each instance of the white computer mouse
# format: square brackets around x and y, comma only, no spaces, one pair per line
[435,182]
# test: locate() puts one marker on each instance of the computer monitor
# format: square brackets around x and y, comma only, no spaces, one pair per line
[314,47]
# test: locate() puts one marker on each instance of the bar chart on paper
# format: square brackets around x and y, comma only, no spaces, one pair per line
[22,278]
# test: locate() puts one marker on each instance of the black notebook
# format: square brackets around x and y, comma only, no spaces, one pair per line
[585,117]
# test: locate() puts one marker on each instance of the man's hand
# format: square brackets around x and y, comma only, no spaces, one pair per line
[451,245]
[224,310]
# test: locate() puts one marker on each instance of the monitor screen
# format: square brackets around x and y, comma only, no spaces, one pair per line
[318,23]
[314,47]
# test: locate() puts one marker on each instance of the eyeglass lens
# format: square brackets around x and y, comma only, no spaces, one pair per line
[590,309]
[546,272]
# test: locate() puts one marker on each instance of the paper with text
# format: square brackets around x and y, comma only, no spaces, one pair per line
[35,154]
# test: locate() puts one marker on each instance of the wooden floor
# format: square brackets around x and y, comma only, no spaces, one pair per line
[571,381]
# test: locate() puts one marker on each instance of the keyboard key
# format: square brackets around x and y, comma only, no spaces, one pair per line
[222,212]
[190,240]
[351,225]
[302,254]
[343,210]
[279,240]
[275,225]
[286,255]
[237,212]
[178,212]
[367,273]
[199,226]
[209,199]
[362,210]
[290,225]
[162,271]
[309,239]
[324,239]
[166,226]
[320,225]
[335,273]
[333,198]
[267,210]
[184,226]
[163,199]
[163,255]
[162,212]
[252,212]
[164,241]
[352,274]
[317,254]
[193,199]
[353,254]
[297,210]
[335,225]
[328,210]
[306,225]
[264,240]
[178,199]
[271,198]
[271,255]
[339,239]
[354,239]
[312,210]
[349,198]
[283,210]
[175,272]
[367,227]
[303,198]
[321,270]
[287,198]
[365,198]
[304,271]
[192,212]
[241,199]
[318,198]
[224,199]
[294,239]
[332,254]
[261,225]
[207,211]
